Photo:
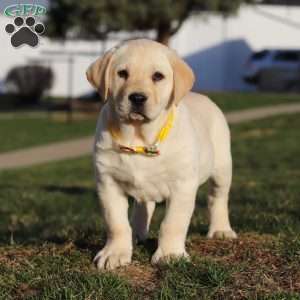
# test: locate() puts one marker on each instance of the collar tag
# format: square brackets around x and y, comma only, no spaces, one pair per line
[152,150]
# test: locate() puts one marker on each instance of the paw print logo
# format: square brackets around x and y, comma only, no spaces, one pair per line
[27,32]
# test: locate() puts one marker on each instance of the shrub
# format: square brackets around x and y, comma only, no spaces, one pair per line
[29,83]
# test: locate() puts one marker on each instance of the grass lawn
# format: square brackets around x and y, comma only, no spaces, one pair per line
[21,132]
[234,101]
[50,229]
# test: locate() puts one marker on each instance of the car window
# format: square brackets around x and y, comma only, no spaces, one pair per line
[288,56]
[259,55]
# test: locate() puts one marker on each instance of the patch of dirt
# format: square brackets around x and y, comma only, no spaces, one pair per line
[14,256]
[140,276]
[25,291]
[258,265]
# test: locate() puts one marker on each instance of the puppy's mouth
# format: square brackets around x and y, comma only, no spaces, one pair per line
[134,116]
[138,116]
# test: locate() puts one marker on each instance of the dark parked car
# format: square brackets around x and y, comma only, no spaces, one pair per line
[274,70]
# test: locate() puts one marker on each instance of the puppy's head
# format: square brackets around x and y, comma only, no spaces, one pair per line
[141,78]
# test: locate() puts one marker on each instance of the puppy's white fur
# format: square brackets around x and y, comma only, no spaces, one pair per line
[196,149]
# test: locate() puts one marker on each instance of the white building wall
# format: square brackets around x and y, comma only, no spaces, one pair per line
[215,48]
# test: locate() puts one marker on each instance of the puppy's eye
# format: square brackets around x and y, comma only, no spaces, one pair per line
[157,76]
[123,74]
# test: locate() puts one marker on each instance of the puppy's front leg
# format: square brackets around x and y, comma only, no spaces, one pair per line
[173,230]
[118,247]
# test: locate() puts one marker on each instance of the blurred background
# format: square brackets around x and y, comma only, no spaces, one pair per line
[238,45]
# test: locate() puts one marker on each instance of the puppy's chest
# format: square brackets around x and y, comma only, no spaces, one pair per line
[144,178]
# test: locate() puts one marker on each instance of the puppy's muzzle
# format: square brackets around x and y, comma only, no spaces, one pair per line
[137,99]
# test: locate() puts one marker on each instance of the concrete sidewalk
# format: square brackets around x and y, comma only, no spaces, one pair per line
[83,146]
[262,113]
[46,153]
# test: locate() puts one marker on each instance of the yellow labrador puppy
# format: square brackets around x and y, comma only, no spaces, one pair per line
[156,141]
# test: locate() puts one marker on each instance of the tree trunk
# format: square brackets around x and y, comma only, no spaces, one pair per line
[163,33]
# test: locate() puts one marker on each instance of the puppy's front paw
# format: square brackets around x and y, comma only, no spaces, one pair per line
[222,234]
[113,255]
[165,256]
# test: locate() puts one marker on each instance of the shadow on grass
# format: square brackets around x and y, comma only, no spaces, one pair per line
[150,245]
[70,190]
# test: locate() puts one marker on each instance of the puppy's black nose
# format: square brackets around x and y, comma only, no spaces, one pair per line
[137,98]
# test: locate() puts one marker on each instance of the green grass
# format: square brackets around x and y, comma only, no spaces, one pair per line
[50,229]
[235,101]
[22,132]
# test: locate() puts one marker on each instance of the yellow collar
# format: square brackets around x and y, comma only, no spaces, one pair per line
[151,150]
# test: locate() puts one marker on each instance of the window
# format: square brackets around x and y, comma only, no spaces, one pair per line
[259,55]
[288,56]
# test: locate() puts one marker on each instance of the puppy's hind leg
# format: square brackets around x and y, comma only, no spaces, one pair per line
[218,203]
[141,219]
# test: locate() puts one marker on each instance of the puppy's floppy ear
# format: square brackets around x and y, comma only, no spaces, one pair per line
[183,77]
[98,74]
